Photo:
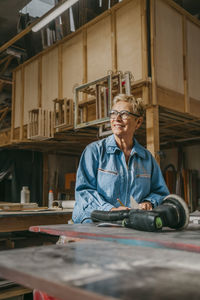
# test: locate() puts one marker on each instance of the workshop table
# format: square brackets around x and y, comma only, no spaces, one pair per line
[188,240]
[110,263]
[14,233]
[22,220]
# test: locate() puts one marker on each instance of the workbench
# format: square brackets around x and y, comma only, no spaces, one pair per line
[14,233]
[11,221]
[109,263]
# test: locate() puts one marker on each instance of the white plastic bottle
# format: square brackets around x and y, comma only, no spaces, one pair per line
[25,195]
[50,199]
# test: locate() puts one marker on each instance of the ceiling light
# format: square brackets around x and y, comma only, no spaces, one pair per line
[55,13]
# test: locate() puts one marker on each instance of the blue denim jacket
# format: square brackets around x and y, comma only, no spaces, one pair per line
[103,176]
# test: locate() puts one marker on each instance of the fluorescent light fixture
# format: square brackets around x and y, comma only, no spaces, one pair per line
[54,14]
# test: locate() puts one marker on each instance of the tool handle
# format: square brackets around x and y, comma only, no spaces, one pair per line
[115,215]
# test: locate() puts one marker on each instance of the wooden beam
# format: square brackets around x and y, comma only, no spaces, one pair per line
[45,180]
[153,51]
[4,81]
[60,72]
[4,59]
[6,65]
[145,88]
[185,66]
[152,131]
[13,106]
[17,37]
[113,41]
[22,105]
[40,81]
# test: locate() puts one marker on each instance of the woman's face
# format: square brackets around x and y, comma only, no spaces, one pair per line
[124,128]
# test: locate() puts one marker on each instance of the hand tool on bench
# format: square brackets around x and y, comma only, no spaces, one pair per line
[173,213]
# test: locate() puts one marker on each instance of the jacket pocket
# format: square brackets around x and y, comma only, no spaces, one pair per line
[108,184]
[108,171]
[143,175]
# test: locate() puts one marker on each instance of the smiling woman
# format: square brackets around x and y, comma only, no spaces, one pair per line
[116,169]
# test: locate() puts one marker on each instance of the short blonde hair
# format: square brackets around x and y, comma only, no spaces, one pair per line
[137,104]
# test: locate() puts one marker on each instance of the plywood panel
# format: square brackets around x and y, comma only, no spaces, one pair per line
[49,78]
[193,47]
[129,38]
[99,60]
[18,95]
[169,47]
[30,88]
[72,62]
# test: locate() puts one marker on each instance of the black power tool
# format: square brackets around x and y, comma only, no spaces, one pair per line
[173,213]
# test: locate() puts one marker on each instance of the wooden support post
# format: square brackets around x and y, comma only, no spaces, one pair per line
[60,69]
[21,135]
[45,180]
[185,66]
[85,73]
[40,81]
[13,106]
[152,131]
[153,52]
[113,41]
[145,88]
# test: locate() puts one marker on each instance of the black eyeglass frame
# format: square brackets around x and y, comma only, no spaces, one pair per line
[122,112]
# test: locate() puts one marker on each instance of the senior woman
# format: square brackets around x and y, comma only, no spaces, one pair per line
[117,168]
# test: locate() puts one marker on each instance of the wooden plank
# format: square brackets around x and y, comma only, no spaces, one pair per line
[169,47]
[99,60]
[39,82]
[14,292]
[185,66]
[186,240]
[20,221]
[113,42]
[80,271]
[60,73]
[17,100]
[73,68]
[145,88]
[194,107]
[85,69]
[193,50]
[45,181]
[170,99]
[129,38]
[5,138]
[31,88]
[49,79]
[13,106]
[21,133]
[152,131]
[153,99]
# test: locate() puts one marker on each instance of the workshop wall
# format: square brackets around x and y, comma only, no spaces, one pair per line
[59,166]
[181,168]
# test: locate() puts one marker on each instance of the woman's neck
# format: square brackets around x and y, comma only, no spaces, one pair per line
[125,145]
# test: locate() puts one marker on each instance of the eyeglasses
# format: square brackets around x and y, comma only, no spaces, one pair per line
[124,114]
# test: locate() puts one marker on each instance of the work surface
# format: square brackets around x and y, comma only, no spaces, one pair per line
[22,220]
[108,264]
[93,269]
[188,240]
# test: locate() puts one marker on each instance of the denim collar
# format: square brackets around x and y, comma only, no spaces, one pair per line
[111,147]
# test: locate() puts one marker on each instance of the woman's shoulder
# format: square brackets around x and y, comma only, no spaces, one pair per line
[99,143]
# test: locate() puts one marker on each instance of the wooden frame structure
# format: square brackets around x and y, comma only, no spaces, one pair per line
[63,113]
[161,51]
[40,124]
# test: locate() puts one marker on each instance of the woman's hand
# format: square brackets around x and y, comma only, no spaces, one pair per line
[146,205]
[120,208]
